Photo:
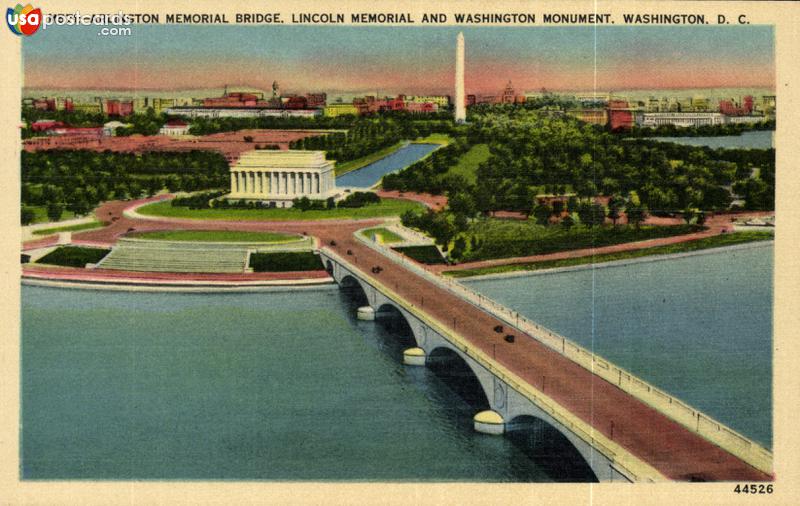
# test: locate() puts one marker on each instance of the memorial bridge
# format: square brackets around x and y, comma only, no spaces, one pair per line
[623,428]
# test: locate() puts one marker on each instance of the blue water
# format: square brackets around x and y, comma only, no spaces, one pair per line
[283,385]
[698,327]
[759,139]
[371,174]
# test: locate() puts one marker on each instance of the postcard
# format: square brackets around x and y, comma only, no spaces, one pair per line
[399,252]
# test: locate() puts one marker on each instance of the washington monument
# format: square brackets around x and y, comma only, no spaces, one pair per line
[461,113]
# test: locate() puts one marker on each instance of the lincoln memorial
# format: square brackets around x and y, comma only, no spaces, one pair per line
[278,177]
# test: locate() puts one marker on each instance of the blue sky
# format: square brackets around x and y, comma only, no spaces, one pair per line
[415,59]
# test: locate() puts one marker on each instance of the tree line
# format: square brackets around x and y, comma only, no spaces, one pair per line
[532,153]
[79,180]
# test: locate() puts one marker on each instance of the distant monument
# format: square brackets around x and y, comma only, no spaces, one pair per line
[461,113]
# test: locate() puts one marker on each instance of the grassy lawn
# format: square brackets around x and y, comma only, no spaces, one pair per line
[68,228]
[705,243]
[387,207]
[423,254]
[489,239]
[40,214]
[386,235]
[344,168]
[468,164]
[442,139]
[285,262]
[73,256]
[216,236]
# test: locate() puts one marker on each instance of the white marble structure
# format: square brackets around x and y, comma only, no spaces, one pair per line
[461,113]
[278,177]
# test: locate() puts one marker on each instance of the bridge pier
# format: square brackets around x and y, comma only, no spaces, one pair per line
[414,356]
[489,422]
[365,313]
[506,403]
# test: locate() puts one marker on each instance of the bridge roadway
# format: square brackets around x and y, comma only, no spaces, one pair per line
[671,449]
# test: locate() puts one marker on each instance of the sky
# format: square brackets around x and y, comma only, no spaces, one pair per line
[413,60]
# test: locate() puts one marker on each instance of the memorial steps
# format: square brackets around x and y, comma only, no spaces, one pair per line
[157,256]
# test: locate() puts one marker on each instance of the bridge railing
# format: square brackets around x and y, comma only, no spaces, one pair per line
[636,470]
[691,418]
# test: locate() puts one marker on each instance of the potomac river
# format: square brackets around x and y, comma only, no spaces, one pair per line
[699,327]
[279,385]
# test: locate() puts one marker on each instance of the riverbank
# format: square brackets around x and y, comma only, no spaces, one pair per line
[67,277]
[183,288]
[599,261]
[161,284]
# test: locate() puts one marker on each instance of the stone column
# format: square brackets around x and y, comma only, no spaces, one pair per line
[233,182]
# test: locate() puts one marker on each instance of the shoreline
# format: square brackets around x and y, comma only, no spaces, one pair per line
[177,285]
[617,263]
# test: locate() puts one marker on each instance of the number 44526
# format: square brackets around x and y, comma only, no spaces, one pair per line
[753,489]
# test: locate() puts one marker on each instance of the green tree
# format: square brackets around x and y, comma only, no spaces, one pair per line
[615,206]
[635,210]
[54,211]
[459,247]
[701,218]
[598,214]
[462,203]
[572,204]
[542,213]
[27,215]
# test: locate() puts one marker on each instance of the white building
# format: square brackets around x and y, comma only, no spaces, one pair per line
[278,177]
[110,128]
[241,112]
[745,119]
[175,128]
[442,101]
[679,119]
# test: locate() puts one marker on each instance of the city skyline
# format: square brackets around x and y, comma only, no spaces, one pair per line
[414,60]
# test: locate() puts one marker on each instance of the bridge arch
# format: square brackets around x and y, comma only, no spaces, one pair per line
[554,450]
[396,321]
[353,287]
[450,367]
